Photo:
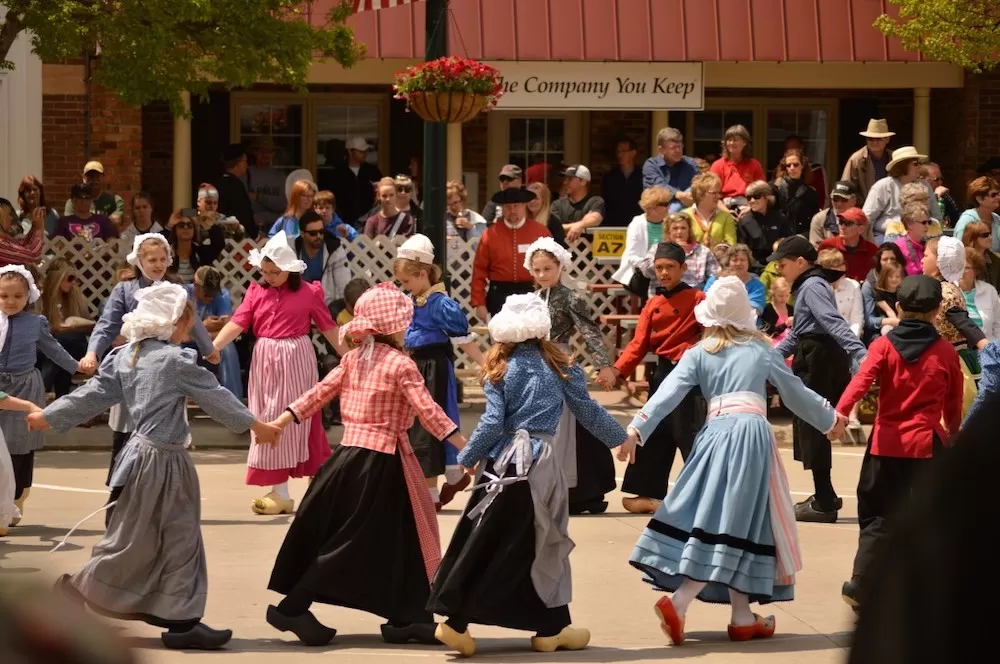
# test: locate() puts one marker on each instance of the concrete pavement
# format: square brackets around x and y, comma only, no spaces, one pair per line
[609,596]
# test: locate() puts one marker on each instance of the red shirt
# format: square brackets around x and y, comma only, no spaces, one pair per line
[858,259]
[500,256]
[667,325]
[913,398]
[736,176]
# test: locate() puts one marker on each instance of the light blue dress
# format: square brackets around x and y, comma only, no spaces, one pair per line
[715,525]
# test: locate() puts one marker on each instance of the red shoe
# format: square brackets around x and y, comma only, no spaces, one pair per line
[671,624]
[448,491]
[763,628]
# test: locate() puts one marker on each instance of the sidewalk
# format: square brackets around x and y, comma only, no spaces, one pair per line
[206,434]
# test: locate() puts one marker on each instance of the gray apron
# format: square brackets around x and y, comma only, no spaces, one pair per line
[564,441]
[550,570]
[152,559]
[25,385]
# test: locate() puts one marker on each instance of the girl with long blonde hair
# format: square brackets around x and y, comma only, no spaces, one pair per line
[69,318]
[730,510]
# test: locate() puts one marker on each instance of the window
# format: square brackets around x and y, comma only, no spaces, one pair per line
[810,125]
[711,126]
[334,125]
[537,145]
[281,123]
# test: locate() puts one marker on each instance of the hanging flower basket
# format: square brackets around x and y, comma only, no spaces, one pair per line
[449,89]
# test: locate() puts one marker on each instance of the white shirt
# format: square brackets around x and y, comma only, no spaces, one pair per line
[988,304]
[847,292]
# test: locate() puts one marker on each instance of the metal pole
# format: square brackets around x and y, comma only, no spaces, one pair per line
[435,139]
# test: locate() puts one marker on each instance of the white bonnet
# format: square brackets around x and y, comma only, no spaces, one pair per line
[548,244]
[417,248]
[522,317]
[279,253]
[950,258]
[33,292]
[133,257]
[158,308]
[727,303]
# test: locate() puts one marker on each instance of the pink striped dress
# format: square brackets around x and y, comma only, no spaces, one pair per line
[283,368]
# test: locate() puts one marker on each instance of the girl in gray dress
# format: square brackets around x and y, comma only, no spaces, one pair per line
[22,334]
[151,565]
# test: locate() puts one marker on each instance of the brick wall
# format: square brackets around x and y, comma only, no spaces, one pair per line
[605,128]
[157,157]
[115,141]
[965,129]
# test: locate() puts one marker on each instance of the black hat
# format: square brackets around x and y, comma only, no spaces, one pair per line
[513,195]
[794,246]
[670,250]
[81,191]
[844,189]
[233,152]
[919,294]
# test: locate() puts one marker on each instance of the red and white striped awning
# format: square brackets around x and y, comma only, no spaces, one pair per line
[372,5]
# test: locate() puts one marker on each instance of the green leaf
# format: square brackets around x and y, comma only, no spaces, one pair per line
[963,32]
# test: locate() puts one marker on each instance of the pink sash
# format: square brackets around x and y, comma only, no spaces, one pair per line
[424,513]
[782,510]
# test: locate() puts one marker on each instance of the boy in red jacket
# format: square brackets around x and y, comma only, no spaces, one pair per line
[667,326]
[920,381]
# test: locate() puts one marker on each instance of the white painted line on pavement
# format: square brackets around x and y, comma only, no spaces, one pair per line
[56,487]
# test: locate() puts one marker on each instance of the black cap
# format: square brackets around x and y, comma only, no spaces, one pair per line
[919,294]
[233,152]
[513,195]
[670,250]
[794,246]
[81,191]
[844,188]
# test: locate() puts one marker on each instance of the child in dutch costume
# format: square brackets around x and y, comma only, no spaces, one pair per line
[22,335]
[151,565]
[8,486]
[281,312]
[824,351]
[366,536]
[508,561]
[438,324]
[151,257]
[726,531]
[667,327]
[921,379]
[590,464]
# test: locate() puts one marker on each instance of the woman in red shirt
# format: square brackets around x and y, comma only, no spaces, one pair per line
[736,168]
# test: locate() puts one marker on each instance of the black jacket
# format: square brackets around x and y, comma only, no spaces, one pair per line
[234,201]
[798,201]
[206,248]
[621,195]
[761,231]
[355,193]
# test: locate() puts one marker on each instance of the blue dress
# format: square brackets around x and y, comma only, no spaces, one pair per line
[438,321]
[715,525]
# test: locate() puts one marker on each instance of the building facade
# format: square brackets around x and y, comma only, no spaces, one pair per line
[581,74]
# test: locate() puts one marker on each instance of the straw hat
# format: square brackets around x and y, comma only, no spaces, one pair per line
[877,129]
[902,154]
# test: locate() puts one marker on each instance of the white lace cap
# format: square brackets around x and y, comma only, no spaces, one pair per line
[157,310]
[133,257]
[33,292]
[522,317]
[548,244]
[951,258]
[727,303]
[279,253]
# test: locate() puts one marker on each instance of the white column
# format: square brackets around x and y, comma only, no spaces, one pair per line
[454,152]
[182,157]
[21,120]
[922,120]
[659,121]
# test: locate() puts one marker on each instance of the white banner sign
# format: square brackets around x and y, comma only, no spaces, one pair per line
[544,85]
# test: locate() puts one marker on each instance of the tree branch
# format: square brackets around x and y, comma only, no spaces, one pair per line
[11,27]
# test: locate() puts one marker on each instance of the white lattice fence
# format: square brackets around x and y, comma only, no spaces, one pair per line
[368,258]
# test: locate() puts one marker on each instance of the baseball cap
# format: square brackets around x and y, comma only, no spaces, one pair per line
[919,294]
[855,215]
[81,191]
[93,166]
[794,246]
[843,189]
[511,172]
[357,143]
[577,171]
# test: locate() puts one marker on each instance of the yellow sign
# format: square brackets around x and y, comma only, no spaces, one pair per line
[609,243]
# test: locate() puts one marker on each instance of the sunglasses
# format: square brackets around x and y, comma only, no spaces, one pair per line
[793,164]
[848,224]
[755,197]
[925,222]
[184,224]
[314,233]
[70,278]
[404,190]
[985,235]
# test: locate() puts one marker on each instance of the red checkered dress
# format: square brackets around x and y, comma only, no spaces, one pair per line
[378,402]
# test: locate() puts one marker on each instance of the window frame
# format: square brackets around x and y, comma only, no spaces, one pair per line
[760,106]
[309,102]
[498,144]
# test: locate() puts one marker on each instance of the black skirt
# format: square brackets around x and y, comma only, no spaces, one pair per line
[485,576]
[354,542]
[500,290]
[824,368]
[595,470]
[436,364]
